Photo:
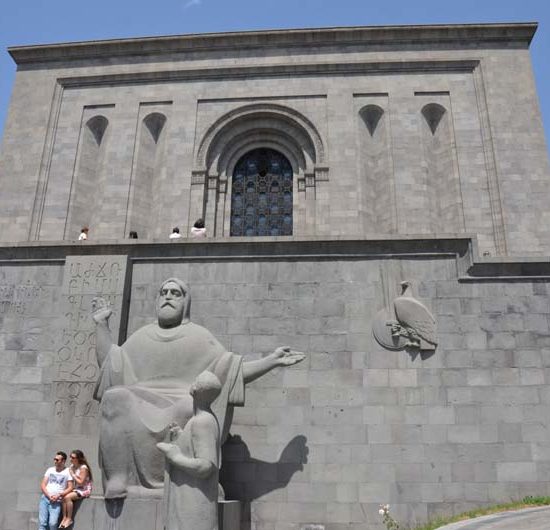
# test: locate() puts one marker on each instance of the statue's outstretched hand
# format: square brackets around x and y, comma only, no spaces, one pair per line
[101,310]
[287,357]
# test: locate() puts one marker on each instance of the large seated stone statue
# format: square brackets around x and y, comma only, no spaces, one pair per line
[144,387]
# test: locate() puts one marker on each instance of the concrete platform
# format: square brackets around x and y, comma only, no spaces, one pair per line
[137,514]
[526,519]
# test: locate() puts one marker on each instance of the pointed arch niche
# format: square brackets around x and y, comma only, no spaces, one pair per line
[378,209]
[259,126]
[89,178]
[148,171]
[445,209]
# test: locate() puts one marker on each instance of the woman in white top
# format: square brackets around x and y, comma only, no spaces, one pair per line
[175,233]
[83,234]
[82,476]
[198,230]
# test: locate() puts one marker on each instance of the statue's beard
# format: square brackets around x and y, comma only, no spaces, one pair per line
[169,315]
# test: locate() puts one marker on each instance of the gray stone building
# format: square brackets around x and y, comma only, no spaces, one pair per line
[329,165]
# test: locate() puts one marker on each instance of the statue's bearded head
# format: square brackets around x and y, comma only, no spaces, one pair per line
[173,303]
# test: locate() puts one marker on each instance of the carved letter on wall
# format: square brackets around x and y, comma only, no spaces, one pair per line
[75,365]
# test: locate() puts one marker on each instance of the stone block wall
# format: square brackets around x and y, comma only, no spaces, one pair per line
[29,316]
[356,425]
[481,75]
[353,426]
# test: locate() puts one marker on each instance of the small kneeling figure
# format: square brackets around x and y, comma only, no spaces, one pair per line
[193,462]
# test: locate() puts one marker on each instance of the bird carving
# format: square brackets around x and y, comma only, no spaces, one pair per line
[414,321]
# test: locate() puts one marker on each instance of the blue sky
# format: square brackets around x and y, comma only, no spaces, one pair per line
[47,21]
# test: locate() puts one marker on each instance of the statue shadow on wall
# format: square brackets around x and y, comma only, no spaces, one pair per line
[423,354]
[245,478]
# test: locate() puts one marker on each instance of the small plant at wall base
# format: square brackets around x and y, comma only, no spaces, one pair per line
[387,519]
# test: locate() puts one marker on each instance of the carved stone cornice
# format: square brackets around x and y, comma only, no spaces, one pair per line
[273,70]
[321,173]
[198,177]
[464,35]
[212,182]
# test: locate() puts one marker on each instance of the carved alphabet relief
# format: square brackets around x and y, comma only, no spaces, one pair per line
[75,366]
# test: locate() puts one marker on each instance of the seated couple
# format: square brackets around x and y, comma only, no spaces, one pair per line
[61,486]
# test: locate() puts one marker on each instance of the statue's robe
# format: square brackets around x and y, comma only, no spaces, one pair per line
[144,386]
[190,501]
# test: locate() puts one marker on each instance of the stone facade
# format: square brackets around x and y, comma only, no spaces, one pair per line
[417,154]
[327,441]
[396,130]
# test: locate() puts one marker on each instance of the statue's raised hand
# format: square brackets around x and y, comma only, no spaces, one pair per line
[101,310]
[170,450]
[174,430]
[287,357]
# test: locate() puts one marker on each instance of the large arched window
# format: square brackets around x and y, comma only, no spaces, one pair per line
[261,195]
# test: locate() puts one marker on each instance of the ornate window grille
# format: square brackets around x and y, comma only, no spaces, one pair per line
[261,195]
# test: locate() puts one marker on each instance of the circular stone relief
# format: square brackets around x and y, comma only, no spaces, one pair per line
[382,332]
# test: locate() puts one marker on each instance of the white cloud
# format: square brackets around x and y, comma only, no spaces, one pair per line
[192,3]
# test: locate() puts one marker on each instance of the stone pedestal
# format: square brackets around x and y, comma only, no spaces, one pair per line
[137,514]
[229,515]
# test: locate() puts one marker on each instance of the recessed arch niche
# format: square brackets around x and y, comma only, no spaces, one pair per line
[378,209]
[89,179]
[257,126]
[444,211]
[144,203]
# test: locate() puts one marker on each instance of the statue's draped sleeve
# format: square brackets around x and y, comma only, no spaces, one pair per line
[235,379]
[116,370]
[229,370]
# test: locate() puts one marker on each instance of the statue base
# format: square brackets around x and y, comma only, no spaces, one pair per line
[145,513]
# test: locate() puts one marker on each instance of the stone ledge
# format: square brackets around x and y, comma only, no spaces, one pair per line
[272,70]
[462,247]
[458,34]
[245,248]
[137,513]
